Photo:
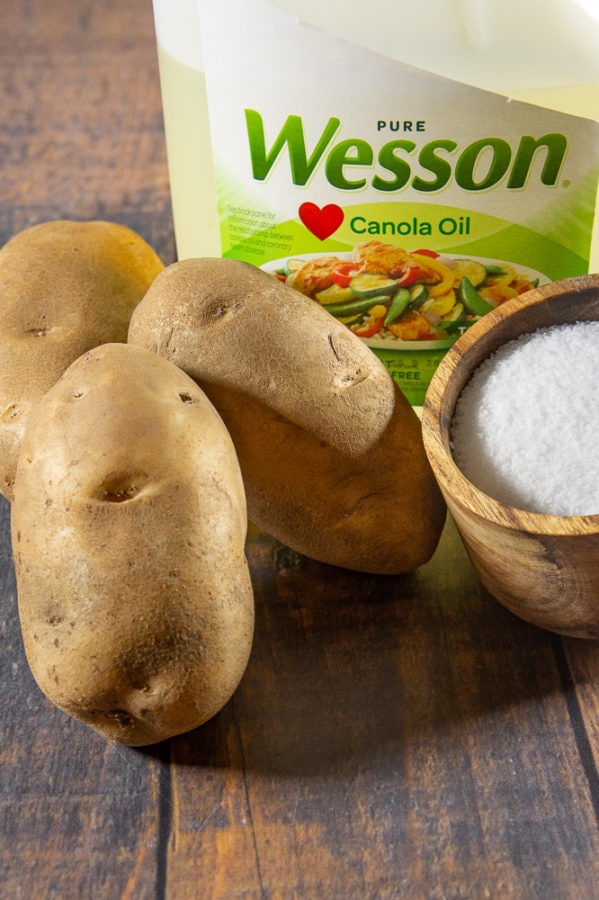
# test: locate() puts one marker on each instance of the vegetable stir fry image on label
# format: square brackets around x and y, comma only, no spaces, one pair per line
[386,294]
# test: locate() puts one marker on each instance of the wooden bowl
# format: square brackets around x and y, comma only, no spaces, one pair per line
[544,568]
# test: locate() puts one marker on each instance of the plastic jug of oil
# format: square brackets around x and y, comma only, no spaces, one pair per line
[450,146]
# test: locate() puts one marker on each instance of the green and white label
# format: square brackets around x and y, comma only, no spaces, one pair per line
[334,162]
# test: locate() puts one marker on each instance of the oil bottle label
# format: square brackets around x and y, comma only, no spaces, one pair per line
[407,203]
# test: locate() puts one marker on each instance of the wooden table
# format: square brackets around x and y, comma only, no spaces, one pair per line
[392,737]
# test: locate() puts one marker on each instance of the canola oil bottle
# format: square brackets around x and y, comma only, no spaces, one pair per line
[410,165]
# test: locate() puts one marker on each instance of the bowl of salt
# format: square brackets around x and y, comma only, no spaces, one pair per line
[511,429]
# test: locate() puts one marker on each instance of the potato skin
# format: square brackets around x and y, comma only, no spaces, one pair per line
[66,287]
[128,530]
[330,450]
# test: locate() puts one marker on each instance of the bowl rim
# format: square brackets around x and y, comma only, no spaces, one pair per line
[579,293]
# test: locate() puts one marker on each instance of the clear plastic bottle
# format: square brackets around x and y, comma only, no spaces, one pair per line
[542,52]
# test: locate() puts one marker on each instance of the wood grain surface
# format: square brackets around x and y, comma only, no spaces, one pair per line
[393,737]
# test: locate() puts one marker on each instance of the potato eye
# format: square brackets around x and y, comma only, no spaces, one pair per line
[38,332]
[121,488]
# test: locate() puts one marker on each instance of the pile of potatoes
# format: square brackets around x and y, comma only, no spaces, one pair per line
[146,413]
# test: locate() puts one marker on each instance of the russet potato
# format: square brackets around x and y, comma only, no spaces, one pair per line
[66,287]
[128,529]
[330,450]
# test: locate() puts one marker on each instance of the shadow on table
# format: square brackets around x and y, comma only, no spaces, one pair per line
[351,670]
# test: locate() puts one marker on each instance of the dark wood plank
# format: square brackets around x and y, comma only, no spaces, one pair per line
[581,682]
[81,132]
[399,737]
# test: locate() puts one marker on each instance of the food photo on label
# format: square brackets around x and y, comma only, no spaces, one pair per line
[384,292]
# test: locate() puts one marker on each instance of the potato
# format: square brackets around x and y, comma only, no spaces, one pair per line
[330,450]
[66,287]
[128,529]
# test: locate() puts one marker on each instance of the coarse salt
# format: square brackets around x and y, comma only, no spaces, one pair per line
[526,426]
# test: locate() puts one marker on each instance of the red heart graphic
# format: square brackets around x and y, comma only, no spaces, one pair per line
[321,222]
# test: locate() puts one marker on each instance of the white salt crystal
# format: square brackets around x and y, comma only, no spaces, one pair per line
[526,426]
